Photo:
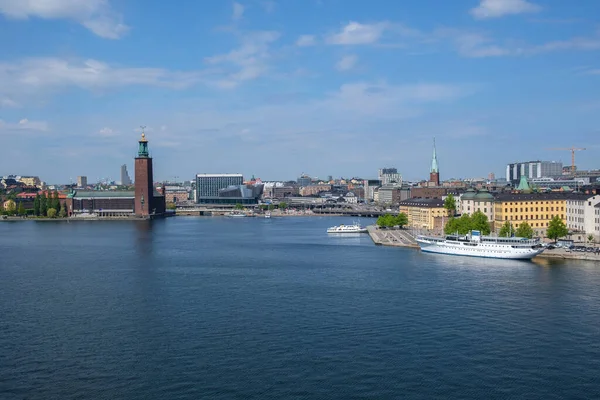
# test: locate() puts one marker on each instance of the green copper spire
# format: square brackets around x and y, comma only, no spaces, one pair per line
[434,163]
[143,147]
[524,185]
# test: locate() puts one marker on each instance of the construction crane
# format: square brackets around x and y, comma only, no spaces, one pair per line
[572,150]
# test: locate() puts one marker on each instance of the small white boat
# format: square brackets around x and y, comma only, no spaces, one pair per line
[237,215]
[267,215]
[354,228]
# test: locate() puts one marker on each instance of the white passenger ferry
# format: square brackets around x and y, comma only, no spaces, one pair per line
[476,245]
[354,228]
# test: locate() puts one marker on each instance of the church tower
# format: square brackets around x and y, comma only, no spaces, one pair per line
[144,190]
[434,173]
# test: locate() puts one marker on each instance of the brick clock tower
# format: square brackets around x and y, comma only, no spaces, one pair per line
[434,173]
[144,188]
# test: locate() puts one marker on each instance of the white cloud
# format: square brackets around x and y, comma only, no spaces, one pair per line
[357,33]
[475,45]
[306,40]
[250,59]
[107,132]
[498,8]
[34,74]
[269,6]
[238,11]
[24,125]
[6,102]
[95,15]
[346,62]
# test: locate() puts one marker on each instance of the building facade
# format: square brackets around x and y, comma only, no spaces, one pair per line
[390,176]
[472,201]
[82,181]
[582,215]
[537,209]
[313,190]
[425,214]
[208,185]
[532,170]
[125,179]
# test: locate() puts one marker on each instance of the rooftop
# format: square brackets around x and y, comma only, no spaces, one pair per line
[421,202]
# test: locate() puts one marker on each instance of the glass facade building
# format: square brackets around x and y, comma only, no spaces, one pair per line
[208,185]
[533,170]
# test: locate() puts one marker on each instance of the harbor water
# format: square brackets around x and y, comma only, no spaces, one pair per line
[255,308]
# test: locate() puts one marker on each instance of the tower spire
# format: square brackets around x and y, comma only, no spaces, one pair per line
[143,144]
[434,162]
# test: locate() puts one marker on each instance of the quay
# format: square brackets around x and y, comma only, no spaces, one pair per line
[404,238]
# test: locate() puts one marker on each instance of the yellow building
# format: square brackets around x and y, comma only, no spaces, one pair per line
[425,214]
[30,180]
[537,209]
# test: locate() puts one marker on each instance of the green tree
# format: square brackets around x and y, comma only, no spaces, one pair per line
[51,213]
[43,205]
[590,238]
[460,225]
[238,206]
[401,220]
[507,229]
[21,209]
[171,206]
[524,230]
[479,222]
[11,207]
[556,228]
[271,207]
[36,205]
[56,201]
[283,205]
[263,207]
[63,212]
[450,205]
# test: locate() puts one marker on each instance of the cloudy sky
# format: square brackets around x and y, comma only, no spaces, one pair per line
[277,88]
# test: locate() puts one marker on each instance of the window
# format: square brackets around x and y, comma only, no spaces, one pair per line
[526,209]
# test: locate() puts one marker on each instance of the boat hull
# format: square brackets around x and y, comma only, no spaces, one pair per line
[342,232]
[488,251]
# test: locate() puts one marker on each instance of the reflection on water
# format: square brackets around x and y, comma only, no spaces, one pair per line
[143,239]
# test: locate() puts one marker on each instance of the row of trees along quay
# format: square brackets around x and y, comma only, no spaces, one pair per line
[43,206]
[479,222]
[389,221]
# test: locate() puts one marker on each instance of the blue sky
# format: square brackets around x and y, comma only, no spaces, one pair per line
[277,88]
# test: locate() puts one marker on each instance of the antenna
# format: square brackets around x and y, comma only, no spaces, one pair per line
[143,127]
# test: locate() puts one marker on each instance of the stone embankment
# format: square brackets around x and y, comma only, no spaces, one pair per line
[569,255]
[391,237]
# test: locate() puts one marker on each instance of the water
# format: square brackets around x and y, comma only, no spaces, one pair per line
[223,308]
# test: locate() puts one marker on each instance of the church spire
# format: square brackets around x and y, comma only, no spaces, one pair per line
[434,162]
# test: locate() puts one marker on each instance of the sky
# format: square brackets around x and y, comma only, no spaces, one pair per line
[275,89]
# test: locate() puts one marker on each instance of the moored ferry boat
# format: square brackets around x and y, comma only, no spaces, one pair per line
[476,245]
[354,228]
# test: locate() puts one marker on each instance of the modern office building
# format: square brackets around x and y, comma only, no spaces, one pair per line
[532,170]
[125,179]
[82,181]
[226,189]
[304,180]
[390,176]
[208,185]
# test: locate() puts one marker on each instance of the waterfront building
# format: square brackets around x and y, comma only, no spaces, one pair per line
[582,218]
[143,202]
[425,214]
[208,185]
[313,190]
[125,179]
[174,194]
[537,209]
[472,201]
[280,190]
[533,169]
[82,181]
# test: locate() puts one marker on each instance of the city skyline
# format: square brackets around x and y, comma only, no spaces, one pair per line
[260,87]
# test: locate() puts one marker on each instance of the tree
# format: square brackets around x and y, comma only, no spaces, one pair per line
[56,201]
[36,204]
[43,205]
[52,213]
[283,205]
[11,207]
[63,212]
[524,230]
[21,210]
[507,229]
[271,207]
[450,204]
[590,238]
[460,225]
[171,206]
[238,206]
[479,222]
[556,228]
